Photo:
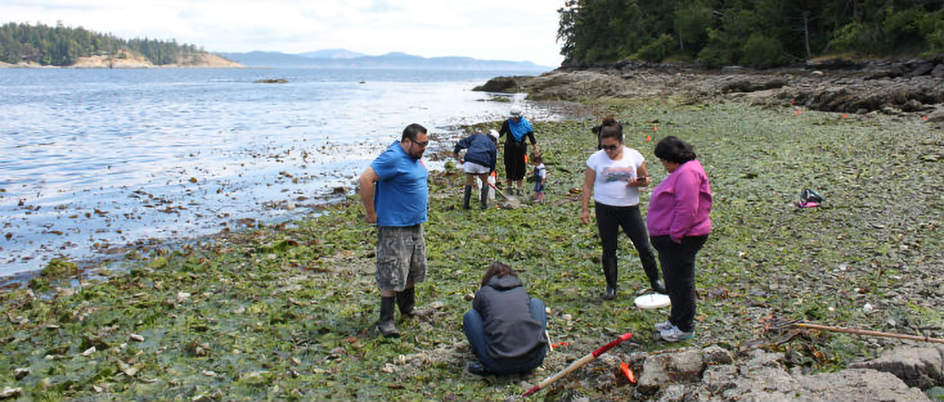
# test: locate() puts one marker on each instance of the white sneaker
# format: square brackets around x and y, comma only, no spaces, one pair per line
[674,335]
[662,326]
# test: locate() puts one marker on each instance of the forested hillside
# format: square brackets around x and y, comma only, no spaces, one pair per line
[62,46]
[759,33]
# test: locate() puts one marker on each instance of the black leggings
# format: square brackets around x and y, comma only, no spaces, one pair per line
[609,221]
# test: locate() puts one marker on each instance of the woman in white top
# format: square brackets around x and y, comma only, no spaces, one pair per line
[614,175]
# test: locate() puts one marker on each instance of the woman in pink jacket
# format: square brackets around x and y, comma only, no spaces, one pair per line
[679,224]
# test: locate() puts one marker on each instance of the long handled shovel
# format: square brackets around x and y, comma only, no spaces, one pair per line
[575,365]
[499,192]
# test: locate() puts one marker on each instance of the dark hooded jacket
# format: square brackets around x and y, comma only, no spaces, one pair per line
[481,150]
[511,332]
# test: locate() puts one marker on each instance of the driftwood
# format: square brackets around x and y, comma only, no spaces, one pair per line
[869,333]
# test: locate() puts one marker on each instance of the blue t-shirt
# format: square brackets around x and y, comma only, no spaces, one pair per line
[401,195]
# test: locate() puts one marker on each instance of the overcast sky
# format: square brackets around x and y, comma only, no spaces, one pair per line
[518,30]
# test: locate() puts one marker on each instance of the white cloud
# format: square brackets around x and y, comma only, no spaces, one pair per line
[484,29]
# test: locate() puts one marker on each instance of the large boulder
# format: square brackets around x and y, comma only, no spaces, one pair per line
[499,84]
[936,116]
[752,83]
[917,367]
[921,68]
[669,368]
[938,71]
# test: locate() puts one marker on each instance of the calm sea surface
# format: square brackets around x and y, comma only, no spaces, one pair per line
[97,159]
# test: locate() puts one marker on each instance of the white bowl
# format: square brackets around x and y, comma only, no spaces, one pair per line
[653,300]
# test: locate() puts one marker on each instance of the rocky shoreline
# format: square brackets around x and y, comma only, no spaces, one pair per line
[716,374]
[911,86]
[286,311]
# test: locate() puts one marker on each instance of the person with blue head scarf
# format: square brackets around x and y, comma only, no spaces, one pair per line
[516,129]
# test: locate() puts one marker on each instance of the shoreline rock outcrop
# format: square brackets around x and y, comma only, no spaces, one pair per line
[716,374]
[831,86]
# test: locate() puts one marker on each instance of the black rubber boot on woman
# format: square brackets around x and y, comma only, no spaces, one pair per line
[657,286]
[467,197]
[609,272]
[654,282]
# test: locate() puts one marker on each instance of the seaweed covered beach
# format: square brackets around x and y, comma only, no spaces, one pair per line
[288,311]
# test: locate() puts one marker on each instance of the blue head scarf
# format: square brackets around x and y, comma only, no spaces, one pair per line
[519,128]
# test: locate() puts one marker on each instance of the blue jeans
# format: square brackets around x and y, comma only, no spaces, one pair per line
[538,186]
[475,333]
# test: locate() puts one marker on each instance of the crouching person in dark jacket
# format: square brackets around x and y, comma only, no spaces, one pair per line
[505,326]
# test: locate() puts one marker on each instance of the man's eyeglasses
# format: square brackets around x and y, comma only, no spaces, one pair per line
[611,147]
[421,144]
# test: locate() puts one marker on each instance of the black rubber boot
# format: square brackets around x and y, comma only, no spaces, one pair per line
[387,327]
[406,300]
[609,272]
[467,197]
[484,196]
[654,282]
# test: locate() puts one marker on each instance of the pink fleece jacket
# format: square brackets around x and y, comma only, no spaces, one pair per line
[680,205]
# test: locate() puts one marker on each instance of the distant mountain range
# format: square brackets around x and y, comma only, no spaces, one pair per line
[341,58]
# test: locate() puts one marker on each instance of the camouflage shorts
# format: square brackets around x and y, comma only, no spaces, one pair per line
[401,256]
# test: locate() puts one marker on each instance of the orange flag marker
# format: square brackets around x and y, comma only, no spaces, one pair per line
[628,373]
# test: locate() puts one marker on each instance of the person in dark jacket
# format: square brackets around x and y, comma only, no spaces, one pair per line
[480,156]
[517,129]
[505,327]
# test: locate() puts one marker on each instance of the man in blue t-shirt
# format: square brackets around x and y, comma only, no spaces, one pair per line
[398,207]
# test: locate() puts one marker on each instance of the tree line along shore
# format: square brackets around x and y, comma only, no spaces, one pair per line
[761,34]
[24,45]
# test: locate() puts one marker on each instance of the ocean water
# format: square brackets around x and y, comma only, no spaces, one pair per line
[95,160]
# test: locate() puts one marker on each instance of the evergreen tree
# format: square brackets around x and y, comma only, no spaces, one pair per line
[754,32]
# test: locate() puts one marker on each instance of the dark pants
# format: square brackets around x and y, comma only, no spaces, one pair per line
[609,221]
[475,333]
[515,165]
[678,269]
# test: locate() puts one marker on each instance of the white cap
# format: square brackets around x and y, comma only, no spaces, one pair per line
[515,111]
[494,134]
